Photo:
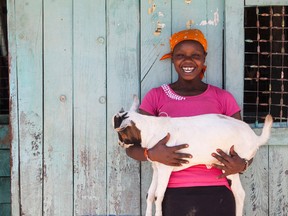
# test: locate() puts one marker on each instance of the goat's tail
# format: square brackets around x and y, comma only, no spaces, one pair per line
[266,131]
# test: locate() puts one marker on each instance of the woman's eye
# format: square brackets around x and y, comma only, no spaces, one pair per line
[196,56]
[179,56]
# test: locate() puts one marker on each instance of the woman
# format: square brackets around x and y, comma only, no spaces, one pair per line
[197,190]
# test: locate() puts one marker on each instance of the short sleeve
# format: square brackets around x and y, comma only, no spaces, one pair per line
[230,105]
[149,102]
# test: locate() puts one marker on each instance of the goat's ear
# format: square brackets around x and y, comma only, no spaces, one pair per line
[118,119]
[122,110]
[135,103]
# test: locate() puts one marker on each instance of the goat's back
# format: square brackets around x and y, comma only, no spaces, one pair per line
[206,133]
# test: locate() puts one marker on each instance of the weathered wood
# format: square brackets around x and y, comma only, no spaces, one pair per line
[265,2]
[89,66]
[278,180]
[4,137]
[123,80]
[214,34]
[5,209]
[58,101]
[256,185]
[234,49]
[155,34]
[14,123]
[29,95]
[4,162]
[5,190]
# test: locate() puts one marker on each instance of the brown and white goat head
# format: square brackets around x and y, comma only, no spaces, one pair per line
[128,133]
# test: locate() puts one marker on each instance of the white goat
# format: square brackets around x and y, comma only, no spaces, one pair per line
[203,133]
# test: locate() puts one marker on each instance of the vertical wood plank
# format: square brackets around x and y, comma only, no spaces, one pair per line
[4,137]
[13,94]
[29,80]
[5,209]
[89,59]
[214,24]
[155,34]
[234,48]
[256,185]
[154,44]
[265,2]
[58,100]
[4,162]
[278,180]
[4,190]
[123,80]
[208,17]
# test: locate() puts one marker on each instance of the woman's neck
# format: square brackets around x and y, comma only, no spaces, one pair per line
[188,88]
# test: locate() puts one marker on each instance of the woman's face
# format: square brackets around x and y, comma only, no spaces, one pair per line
[188,59]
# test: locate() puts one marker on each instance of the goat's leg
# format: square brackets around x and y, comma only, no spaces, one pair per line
[151,192]
[164,173]
[238,192]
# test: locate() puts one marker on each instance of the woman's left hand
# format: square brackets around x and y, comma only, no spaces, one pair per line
[231,164]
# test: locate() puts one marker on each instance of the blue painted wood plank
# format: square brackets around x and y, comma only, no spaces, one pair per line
[29,80]
[155,33]
[123,80]
[4,162]
[58,100]
[4,137]
[278,181]
[5,209]
[214,24]
[5,190]
[89,66]
[13,89]
[234,49]
[265,2]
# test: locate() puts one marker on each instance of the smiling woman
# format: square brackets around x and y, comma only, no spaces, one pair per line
[189,95]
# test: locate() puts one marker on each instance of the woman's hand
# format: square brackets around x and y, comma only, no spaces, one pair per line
[231,163]
[168,155]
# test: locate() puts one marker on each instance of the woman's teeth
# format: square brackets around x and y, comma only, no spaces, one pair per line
[188,69]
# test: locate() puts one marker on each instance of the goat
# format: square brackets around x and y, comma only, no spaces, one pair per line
[203,133]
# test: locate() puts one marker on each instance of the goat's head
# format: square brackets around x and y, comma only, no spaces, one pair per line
[128,133]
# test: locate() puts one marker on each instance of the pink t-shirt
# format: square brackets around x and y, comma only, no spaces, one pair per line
[163,101]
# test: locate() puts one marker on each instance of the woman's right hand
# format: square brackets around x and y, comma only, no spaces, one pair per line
[168,155]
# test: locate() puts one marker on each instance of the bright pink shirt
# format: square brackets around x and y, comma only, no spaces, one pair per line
[163,101]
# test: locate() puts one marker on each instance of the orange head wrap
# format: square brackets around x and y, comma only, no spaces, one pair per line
[189,34]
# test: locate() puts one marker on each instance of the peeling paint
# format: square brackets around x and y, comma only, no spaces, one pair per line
[189,23]
[152,9]
[213,22]
[160,14]
[159,28]
[188,1]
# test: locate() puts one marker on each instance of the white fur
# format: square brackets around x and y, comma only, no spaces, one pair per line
[204,134]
